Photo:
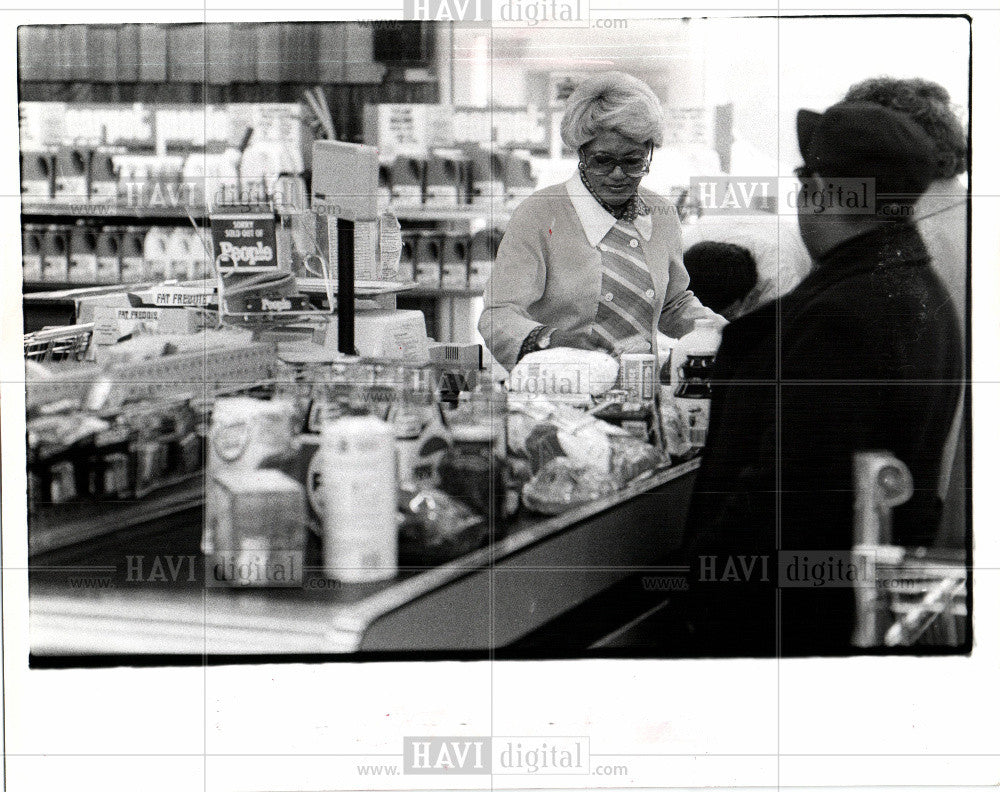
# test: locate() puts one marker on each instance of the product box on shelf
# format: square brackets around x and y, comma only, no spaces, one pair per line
[482,252]
[32,246]
[407,175]
[72,174]
[82,254]
[38,170]
[131,258]
[446,179]
[55,255]
[108,252]
[103,185]
[455,261]
[485,174]
[427,260]
[517,177]
[156,253]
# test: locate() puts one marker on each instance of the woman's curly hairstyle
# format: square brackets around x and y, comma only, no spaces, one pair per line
[929,105]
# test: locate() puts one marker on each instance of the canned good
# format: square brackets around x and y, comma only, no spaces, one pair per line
[637,375]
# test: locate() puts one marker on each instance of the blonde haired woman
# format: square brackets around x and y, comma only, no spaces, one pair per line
[594,262]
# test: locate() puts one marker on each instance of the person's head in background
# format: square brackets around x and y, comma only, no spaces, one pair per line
[930,106]
[722,275]
[613,121]
[865,167]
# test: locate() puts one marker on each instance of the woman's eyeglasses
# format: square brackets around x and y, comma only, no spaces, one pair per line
[604,164]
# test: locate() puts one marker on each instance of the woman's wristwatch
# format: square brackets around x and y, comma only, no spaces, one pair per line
[537,339]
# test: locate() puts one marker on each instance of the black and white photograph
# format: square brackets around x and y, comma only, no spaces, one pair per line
[499,394]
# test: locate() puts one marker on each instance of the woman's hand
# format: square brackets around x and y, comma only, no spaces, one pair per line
[579,340]
[635,343]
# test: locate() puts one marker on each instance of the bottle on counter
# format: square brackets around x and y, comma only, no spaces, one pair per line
[360,535]
[693,396]
[702,341]
[473,470]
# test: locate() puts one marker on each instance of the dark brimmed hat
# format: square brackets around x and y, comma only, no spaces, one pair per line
[866,140]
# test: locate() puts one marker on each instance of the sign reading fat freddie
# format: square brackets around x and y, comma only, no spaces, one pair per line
[244,242]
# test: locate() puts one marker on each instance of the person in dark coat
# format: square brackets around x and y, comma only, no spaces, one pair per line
[864,354]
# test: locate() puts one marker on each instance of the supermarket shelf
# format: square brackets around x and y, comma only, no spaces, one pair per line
[448,214]
[430,291]
[69,209]
[362,288]
[43,291]
[411,213]
[46,290]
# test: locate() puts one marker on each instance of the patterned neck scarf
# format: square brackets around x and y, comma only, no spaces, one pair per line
[634,207]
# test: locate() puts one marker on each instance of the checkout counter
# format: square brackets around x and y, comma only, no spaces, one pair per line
[147,593]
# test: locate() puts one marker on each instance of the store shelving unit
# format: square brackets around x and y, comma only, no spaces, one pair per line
[455,311]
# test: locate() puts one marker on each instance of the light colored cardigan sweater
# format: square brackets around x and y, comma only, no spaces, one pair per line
[548,269]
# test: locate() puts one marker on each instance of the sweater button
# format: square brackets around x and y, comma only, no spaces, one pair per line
[650,294]
[634,243]
[609,297]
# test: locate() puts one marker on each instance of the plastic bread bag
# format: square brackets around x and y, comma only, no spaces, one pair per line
[631,458]
[543,446]
[562,484]
[676,430]
[563,375]
[588,445]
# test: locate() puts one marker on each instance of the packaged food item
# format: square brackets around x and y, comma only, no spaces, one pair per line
[103,177]
[132,261]
[82,254]
[247,433]
[562,484]
[156,253]
[455,261]
[473,469]
[542,446]
[257,520]
[151,461]
[674,429]
[108,255]
[181,251]
[72,170]
[413,410]
[486,169]
[703,341]
[570,376]
[360,542]
[635,418]
[32,244]
[445,181]
[407,177]
[38,170]
[427,260]
[693,396]
[55,255]
[437,528]
[113,465]
[637,374]
[390,246]
[482,252]
[631,458]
